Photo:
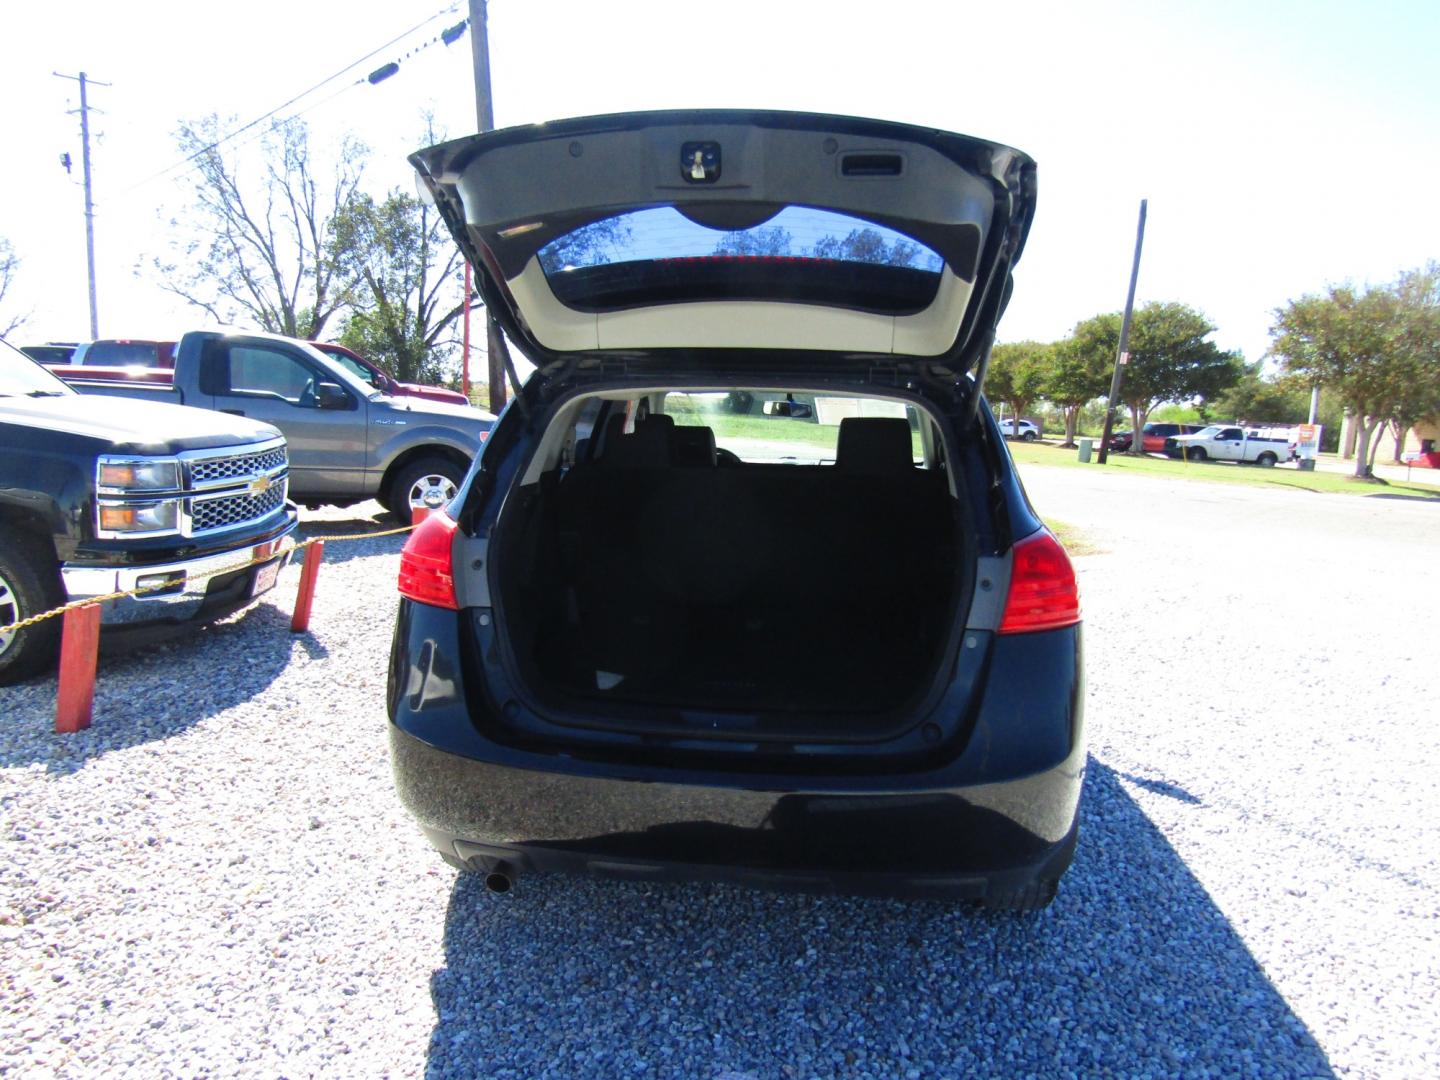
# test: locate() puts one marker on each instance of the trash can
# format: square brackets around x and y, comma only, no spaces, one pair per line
[1085,445]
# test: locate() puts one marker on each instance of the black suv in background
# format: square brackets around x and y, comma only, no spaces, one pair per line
[821,643]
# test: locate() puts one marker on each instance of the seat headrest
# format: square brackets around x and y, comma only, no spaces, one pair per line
[874,444]
[647,448]
[692,446]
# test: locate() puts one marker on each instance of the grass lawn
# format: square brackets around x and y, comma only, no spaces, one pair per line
[1220,472]
[1076,541]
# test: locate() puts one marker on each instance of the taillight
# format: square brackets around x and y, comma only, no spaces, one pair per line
[1043,594]
[426,570]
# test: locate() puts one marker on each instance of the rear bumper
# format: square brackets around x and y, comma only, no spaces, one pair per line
[985,820]
[915,843]
[196,586]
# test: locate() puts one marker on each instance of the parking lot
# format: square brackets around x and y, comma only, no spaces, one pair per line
[217,879]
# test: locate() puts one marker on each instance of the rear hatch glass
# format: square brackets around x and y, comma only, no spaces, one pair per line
[658,256]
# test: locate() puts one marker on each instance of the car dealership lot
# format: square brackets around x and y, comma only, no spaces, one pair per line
[217,878]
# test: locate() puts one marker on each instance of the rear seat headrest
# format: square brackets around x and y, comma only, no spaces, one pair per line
[692,446]
[647,448]
[874,444]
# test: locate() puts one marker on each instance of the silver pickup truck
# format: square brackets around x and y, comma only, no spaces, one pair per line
[348,441]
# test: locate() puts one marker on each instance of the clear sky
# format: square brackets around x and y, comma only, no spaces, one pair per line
[1282,145]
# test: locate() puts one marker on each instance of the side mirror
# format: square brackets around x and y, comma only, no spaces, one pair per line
[329,395]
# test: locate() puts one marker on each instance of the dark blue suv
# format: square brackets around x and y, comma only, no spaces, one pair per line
[744,583]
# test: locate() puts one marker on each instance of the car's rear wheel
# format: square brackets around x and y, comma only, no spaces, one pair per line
[1266,459]
[27,587]
[1029,436]
[429,482]
[1197,453]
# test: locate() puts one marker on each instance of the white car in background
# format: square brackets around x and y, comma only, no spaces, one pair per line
[1028,432]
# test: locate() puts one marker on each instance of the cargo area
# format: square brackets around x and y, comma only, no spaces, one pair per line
[657,570]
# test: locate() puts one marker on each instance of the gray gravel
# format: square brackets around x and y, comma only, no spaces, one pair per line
[216,879]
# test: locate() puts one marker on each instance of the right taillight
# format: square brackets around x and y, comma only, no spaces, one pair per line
[426,570]
[1043,594]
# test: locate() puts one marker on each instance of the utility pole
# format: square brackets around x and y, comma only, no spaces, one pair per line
[89,201]
[485,115]
[1122,357]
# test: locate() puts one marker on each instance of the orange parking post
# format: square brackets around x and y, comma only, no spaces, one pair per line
[79,647]
[300,622]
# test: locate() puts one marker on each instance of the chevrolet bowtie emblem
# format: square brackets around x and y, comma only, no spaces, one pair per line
[259,486]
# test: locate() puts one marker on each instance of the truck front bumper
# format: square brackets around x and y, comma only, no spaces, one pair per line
[226,579]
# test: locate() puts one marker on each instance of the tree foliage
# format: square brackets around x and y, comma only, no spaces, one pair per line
[9,269]
[1171,357]
[406,292]
[258,248]
[1077,376]
[1378,348]
[1018,373]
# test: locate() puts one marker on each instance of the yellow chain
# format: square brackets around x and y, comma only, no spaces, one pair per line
[256,561]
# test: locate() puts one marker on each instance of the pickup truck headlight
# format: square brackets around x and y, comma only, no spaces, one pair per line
[138,474]
[119,519]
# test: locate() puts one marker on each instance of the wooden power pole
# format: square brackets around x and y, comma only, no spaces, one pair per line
[485,114]
[84,111]
[1122,356]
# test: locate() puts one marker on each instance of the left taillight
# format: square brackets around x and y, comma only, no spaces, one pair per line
[426,566]
[1043,592]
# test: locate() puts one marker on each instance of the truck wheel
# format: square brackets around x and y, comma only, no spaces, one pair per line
[1266,459]
[430,482]
[1197,453]
[28,586]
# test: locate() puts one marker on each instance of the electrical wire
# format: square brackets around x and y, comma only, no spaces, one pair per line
[260,119]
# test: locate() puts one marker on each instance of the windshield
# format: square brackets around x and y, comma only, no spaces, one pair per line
[21,377]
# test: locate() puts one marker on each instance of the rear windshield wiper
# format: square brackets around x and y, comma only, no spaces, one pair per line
[46,393]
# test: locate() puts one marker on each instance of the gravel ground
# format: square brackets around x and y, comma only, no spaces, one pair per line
[216,879]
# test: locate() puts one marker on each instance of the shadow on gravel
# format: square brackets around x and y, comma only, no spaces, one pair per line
[1163,787]
[150,693]
[1132,971]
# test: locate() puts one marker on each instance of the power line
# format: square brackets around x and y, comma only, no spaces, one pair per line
[323,82]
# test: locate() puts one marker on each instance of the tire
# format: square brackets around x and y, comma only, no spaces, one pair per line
[429,481]
[1029,436]
[28,586]
[1267,460]
[1033,896]
[1197,453]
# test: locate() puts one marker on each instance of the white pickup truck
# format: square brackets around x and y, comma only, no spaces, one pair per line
[1220,443]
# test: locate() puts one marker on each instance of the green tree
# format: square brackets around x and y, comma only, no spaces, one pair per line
[1416,381]
[258,249]
[1171,358]
[1258,398]
[1018,373]
[407,284]
[1352,341]
[1077,376]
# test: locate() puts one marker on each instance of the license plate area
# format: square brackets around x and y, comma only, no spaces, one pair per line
[265,578]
